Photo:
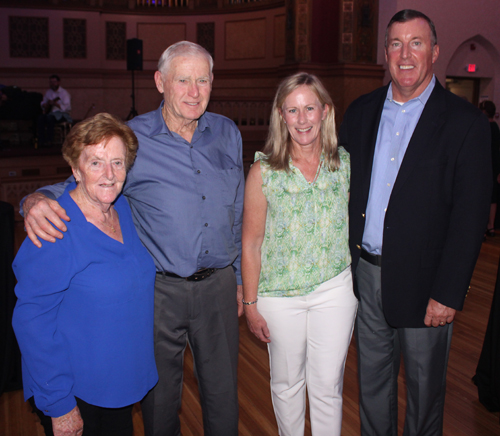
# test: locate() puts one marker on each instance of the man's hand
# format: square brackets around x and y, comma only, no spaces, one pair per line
[438,314]
[70,424]
[55,103]
[39,212]
[239,299]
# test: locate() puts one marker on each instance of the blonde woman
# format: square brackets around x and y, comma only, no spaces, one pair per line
[297,282]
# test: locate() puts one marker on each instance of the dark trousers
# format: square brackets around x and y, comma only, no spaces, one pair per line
[380,346]
[203,314]
[487,378]
[45,129]
[97,421]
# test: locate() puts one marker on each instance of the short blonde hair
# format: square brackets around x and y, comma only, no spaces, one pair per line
[279,144]
[93,131]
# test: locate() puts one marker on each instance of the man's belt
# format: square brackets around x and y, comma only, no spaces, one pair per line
[196,277]
[374,259]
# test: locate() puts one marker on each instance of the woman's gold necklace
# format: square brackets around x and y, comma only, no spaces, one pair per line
[111,226]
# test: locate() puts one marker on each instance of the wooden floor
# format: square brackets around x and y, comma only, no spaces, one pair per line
[464,415]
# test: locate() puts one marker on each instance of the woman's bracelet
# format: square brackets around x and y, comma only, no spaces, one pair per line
[249,303]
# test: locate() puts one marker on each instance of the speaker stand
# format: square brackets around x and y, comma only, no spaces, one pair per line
[133,113]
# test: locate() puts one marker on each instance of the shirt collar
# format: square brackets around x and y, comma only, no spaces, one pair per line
[159,126]
[423,97]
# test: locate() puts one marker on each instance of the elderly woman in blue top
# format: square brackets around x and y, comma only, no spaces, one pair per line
[84,316]
[296,272]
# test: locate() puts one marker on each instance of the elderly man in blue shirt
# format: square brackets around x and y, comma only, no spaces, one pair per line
[186,195]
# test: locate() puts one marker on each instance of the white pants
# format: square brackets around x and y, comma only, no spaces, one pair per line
[310,336]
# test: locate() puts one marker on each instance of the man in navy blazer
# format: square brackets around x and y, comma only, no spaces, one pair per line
[420,193]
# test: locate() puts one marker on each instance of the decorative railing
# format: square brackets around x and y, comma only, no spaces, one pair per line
[147,6]
[247,114]
[234,2]
[184,3]
[202,4]
[164,3]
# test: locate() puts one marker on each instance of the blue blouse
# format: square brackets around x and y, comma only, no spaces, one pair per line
[84,315]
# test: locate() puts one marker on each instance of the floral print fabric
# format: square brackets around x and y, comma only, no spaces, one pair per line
[306,236]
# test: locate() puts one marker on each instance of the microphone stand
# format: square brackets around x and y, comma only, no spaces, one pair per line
[133,113]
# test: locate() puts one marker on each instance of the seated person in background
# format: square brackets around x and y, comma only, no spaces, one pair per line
[84,315]
[56,106]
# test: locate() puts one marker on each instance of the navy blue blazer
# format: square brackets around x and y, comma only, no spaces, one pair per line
[439,206]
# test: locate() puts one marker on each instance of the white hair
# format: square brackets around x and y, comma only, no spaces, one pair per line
[182,48]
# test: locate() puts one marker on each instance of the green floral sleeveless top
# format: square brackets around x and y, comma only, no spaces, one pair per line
[306,237]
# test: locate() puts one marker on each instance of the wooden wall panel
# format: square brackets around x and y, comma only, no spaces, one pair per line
[156,37]
[279,36]
[246,39]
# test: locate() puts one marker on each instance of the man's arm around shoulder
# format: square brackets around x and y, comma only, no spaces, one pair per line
[43,216]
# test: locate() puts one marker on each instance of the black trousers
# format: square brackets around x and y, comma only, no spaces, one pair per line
[97,421]
[45,129]
[487,378]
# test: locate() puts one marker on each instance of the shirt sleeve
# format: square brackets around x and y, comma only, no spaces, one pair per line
[346,163]
[51,191]
[468,216]
[65,103]
[46,98]
[41,290]
[238,214]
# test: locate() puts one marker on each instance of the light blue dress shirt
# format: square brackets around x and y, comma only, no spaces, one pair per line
[397,124]
[186,197]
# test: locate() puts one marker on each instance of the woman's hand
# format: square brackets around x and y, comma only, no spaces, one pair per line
[70,424]
[256,323]
[239,299]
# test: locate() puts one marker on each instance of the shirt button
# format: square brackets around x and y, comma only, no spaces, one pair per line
[397,134]
[191,146]
[206,224]
[392,159]
[388,184]
[198,171]
[403,111]
[206,251]
[203,198]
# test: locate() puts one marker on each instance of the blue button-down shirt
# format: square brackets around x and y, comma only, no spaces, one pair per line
[397,124]
[187,197]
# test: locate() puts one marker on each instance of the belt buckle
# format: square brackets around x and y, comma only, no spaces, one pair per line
[201,275]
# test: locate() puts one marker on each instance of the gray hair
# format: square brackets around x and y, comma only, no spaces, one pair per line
[182,48]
